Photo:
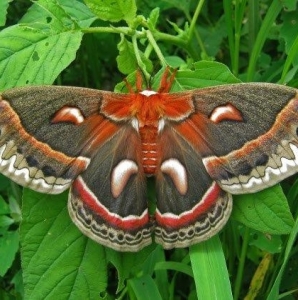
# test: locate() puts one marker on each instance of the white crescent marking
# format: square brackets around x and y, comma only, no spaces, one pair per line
[177,172]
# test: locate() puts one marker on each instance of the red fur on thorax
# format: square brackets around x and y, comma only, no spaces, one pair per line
[148,111]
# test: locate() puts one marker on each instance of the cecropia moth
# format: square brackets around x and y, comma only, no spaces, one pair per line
[201,145]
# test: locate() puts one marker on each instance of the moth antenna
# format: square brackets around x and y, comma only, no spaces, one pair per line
[166,81]
[139,80]
[141,77]
[128,86]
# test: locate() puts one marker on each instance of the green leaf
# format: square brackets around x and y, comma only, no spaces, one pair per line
[207,258]
[29,55]
[271,15]
[126,59]
[113,10]
[68,12]
[153,18]
[9,245]
[268,243]
[288,252]
[144,288]
[17,281]
[213,36]
[175,61]
[4,182]
[266,211]
[4,208]
[59,262]
[289,4]
[5,221]
[178,4]
[128,263]
[205,73]
[38,53]
[288,32]
[3,11]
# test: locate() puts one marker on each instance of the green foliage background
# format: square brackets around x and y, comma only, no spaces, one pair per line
[96,43]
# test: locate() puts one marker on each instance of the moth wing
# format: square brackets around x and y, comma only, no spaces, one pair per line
[55,137]
[191,207]
[241,137]
[246,134]
[37,152]
[108,201]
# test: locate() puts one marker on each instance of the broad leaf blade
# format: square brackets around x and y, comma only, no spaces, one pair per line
[208,258]
[9,246]
[69,13]
[29,55]
[3,11]
[143,288]
[38,52]
[266,211]
[59,262]
[113,11]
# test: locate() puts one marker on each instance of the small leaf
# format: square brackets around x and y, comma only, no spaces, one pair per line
[5,221]
[212,36]
[3,11]
[178,4]
[113,10]
[126,59]
[143,288]
[9,245]
[175,61]
[29,55]
[266,211]
[266,242]
[288,31]
[289,4]
[68,13]
[127,263]
[205,73]
[4,208]
[153,18]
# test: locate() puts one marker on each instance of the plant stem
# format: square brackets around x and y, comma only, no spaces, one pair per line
[138,57]
[239,13]
[117,30]
[239,275]
[156,48]
[192,29]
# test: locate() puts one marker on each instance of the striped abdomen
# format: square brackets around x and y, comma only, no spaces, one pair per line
[148,136]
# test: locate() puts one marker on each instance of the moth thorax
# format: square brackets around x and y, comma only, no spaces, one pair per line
[148,136]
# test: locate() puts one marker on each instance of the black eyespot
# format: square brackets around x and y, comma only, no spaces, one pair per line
[31,161]
[182,234]
[120,237]
[262,160]
[226,175]
[48,171]
[245,169]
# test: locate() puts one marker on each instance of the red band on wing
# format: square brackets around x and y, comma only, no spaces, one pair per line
[126,223]
[188,217]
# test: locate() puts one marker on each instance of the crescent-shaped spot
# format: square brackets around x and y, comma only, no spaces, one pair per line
[68,114]
[226,112]
[121,174]
[177,172]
